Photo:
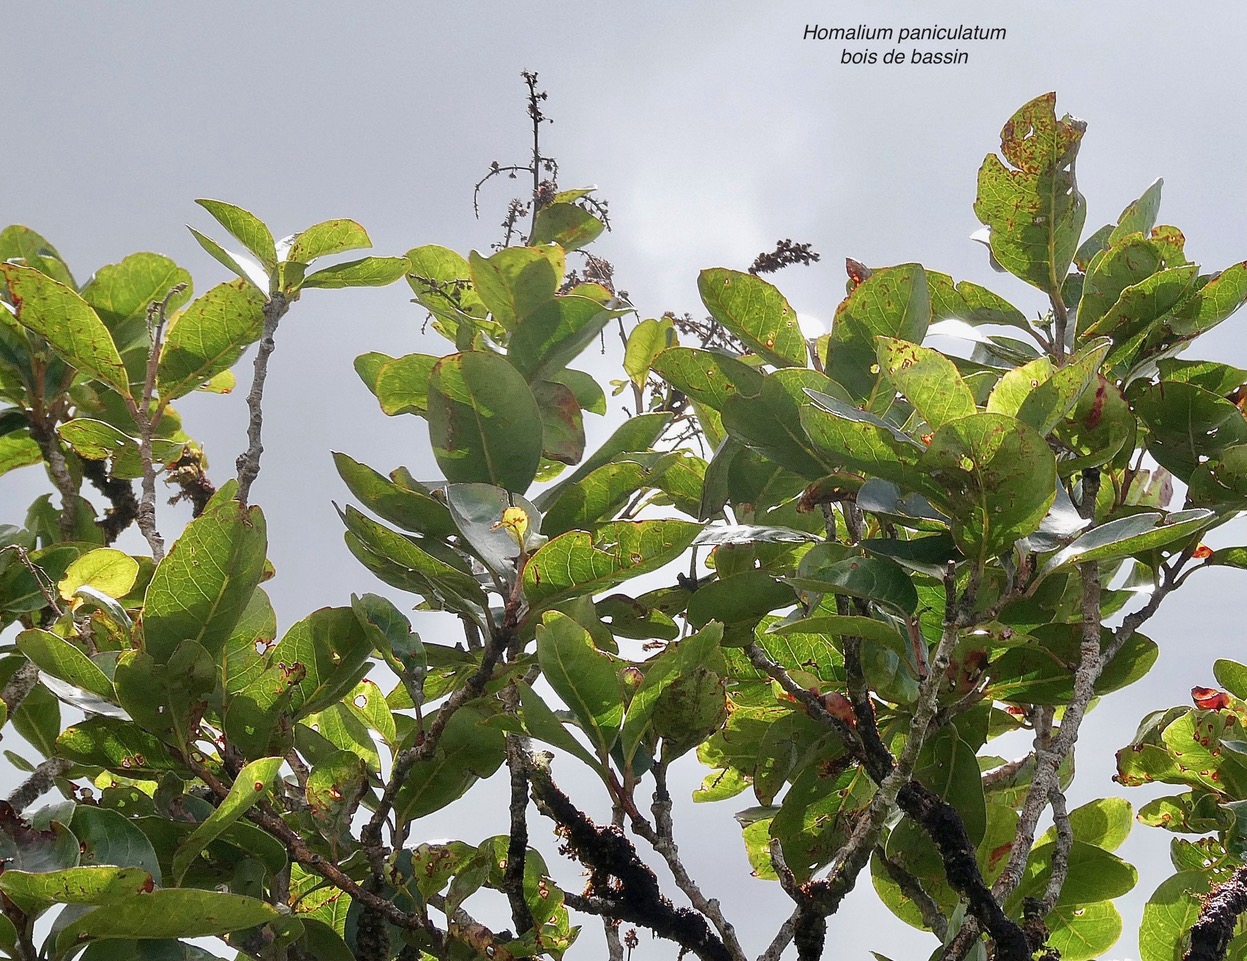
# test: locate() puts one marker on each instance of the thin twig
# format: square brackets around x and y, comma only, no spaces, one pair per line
[1060,854]
[912,888]
[661,838]
[145,418]
[249,461]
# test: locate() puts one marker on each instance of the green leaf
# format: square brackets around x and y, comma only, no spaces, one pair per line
[120,746]
[244,267]
[481,414]
[634,434]
[18,450]
[468,749]
[553,334]
[328,237]
[402,384]
[23,245]
[678,660]
[201,588]
[600,494]
[35,893]
[246,228]
[332,647]
[1104,823]
[104,569]
[442,282]
[1187,425]
[707,376]
[562,426]
[1033,206]
[544,725]
[67,322]
[478,511]
[567,225]
[1082,932]
[1212,303]
[648,339]
[121,293]
[588,392]
[927,378]
[411,510]
[418,570]
[1124,264]
[1130,535]
[1140,304]
[367,272]
[586,680]
[970,303]
[209,337]
[516,281]
[824,569]
[1140,215]
[855,440]
[334,789]
[111,838]
[1169,914]
[168,913]
[1000,479]
[756,312]
[253,781]
[56,656]
[893,302]
[770,423]
[579,563]
[1049,403]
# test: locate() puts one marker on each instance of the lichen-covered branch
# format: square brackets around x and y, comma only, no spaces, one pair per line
[1212,931]
[41,780]
[620,884]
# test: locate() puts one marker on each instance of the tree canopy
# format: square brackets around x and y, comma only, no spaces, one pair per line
[831,571]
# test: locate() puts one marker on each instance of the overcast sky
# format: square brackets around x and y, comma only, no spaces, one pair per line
[713,129]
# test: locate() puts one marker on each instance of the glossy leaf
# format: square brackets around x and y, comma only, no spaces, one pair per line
[62,659]
[756,312]
[168,913]
[553,334]
[565,224]
[1130,535]
[1033,206]
[581,563]
[246,228]
[584,678]
[67,322]
[893,302]
[411,510]
[328,237]
[367,272]
[1000,478]
[927,378]
[209,337]
[203,585]
[516,281]
[480,414]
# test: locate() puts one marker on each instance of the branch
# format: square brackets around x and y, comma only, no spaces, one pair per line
[1060,855]
[1048,758]
[912,888]
[1212,931]
[19,685]
[473,688]
[517,842]
[157,314]
[620,885]
[249,461]
[41,780]
[50,446]
[661,839]
[120,494]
